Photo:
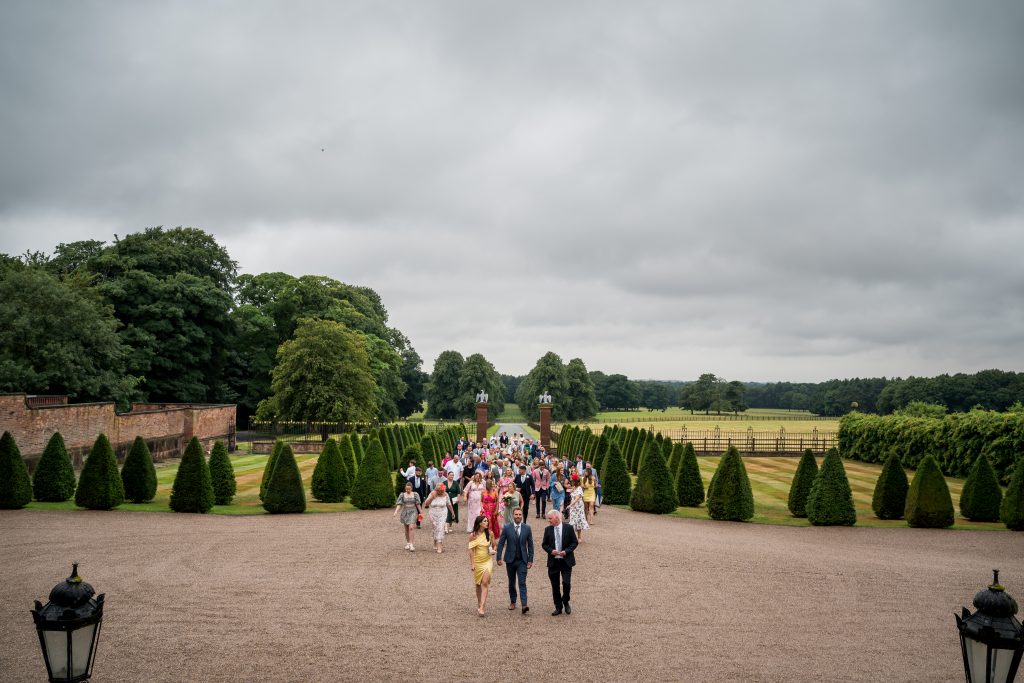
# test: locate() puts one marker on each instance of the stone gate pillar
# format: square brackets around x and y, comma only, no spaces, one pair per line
[545,420]
[481,421]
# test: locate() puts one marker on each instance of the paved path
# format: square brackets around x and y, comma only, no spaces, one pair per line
[333,597]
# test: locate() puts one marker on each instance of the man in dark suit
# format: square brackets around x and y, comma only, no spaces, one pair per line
[419,485]
[560,545]
[515,550]
[524,482]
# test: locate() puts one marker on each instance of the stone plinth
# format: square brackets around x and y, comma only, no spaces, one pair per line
[481,422]
[545,425]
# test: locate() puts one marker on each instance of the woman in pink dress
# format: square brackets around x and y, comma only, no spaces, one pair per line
[490,507]
[473,496]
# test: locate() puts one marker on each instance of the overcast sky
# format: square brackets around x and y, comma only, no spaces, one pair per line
[763,190]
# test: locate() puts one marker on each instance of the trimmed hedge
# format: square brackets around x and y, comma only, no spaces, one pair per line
[955,440]
[138,474]
[100,486]
[285,493]
[348,455]
[889,500]
[803,480]
[269,467]
[830,502]
[54,478]
[15,486]
[981,496]
[1011,512]
[689,485]
[329,483]
[615,480]
[654,491]
[222,474]
[373,487]
[192,490]
[929,504]
[729,495]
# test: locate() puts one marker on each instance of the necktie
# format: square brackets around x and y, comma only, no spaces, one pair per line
[517,530]
[558,537]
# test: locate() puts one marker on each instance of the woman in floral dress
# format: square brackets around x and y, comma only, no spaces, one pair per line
[489,501]
[473,496]
[577,515]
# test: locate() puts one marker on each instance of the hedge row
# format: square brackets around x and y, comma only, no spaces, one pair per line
[955,441]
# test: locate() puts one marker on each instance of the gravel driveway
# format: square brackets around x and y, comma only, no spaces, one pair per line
[334,597]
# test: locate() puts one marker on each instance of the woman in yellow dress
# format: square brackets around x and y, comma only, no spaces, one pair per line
[589,485]
[481,547]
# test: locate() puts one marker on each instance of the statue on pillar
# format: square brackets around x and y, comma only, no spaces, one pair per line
[481,397]
[544,398]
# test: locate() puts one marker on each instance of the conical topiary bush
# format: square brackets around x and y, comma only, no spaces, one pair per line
[1011,512]
[284,488]
[616,483]
[803,479]
[15,486]
[929,504]
[373,487]
[138,474]
[830,502]
[673,458]
[268,468]
[54,478]
[100,486]
[222,475]
[981,496]
[328,483]
[729,495]
[654,491]
[689,485]
[890,498]
[601,453]
[348,455]
[192,490]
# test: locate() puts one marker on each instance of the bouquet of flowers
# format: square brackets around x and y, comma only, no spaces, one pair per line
[507,498]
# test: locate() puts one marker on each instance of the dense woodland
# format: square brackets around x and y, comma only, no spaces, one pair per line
[163,315]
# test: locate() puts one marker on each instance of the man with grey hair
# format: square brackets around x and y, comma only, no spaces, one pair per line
[560,545]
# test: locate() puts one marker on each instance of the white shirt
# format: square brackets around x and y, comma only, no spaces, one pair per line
[455,467]
[409,472]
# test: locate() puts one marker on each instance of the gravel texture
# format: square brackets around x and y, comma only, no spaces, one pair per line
[334,597]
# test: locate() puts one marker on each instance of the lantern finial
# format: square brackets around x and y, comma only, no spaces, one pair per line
[995,581]
[74,578]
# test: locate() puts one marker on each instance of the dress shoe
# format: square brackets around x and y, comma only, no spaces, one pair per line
[525,609]
[556,612]
[568,610]
[512,606]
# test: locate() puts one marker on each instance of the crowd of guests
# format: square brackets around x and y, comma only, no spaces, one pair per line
[491,485]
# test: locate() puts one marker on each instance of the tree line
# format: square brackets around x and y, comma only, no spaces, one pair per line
[162,315]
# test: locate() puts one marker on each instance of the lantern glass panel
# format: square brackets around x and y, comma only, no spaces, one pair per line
[1001,660]
[81,648]
[978,653]
[57,652]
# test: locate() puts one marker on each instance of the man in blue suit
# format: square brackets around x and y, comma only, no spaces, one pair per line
[515,551]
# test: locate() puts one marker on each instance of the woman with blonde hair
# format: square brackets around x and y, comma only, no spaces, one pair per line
[473,497]
[489,507]
[589,485]
[481,547]
[438,505]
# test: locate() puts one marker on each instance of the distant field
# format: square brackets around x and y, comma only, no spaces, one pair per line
[770,479]
[671,422]
[248,473]
[512,413]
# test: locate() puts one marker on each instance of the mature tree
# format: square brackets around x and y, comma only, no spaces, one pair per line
[54,478]
[386,368]
[830,502]
[172,292]
[1011,511]
[734,396]
[222,474]
[615,392]
[415,383]
[100,486]
[15,486]
[729,495]
[803,480]
[322,374]
[890,496]
[654,395]
[580,396]
[478,373]
[547,375]
[77,352]
[138,474]
[444,387]
[929,504]
[285,493]
[707,393]
[192,490]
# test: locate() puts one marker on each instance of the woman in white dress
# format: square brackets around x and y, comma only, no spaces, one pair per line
[438,505]
[473,494]
[577,513]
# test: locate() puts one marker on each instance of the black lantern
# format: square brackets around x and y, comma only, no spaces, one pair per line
[69,627]
[992,639]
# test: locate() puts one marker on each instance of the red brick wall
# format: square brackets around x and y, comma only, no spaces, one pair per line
[165,427]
